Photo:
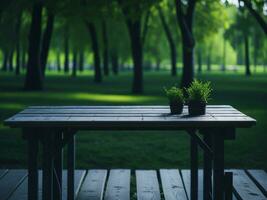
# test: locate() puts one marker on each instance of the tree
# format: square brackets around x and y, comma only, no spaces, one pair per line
[66,49]
[241,28]
[33,80]
[168,33]
[105,48]
[256,8]
[18,27]
[185,20]
[95,47]
[46,39]
[74,63]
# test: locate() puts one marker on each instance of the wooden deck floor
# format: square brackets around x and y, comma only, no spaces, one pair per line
[124,184]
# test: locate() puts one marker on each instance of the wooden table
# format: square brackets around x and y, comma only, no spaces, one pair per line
[55,126]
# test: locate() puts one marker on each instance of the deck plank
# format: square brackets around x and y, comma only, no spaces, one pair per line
[21,192]
[78,178]
[3,172]
[172,184]
[260,179]
[118,186]
[186,178]
[147,185]
[10,182]
[93,185]
[244,188]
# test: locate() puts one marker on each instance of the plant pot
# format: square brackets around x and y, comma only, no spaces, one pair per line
[196,108]
[176,108]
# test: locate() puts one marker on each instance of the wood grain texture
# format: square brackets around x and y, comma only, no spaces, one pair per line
[244,187]
[172,184]
[147,185]
[93,185]
[118,186]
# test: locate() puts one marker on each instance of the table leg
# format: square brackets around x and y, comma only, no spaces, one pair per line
[194,169]
[207,173]
[71,166]
[32,166]
[58,160]
[218,166]
[47,166]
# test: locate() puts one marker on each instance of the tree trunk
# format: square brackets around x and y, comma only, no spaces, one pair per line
[10,61]
[81,61]
[185,23]
[5,61]
[33,79]
[209,58]
[158,64]
[17,71]
[256,51]
[134,29]
[171,42]
[247,63]
[74,64]
[58,62]
[224,55]
[199,59]
[115,62]
[46,41]
[66,49]
[105,49]
[95,47]
[188,62]
[23,59]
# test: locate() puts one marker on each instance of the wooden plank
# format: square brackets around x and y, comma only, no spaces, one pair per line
[78,178]
[172,184]
[93,185]
[147,185]
[10,182]
[244,187]
[108,110]
[151,124]
[125,115]
[259,177]
[21,192]
[186,176]
[118,186]
[3,172]
[116,107]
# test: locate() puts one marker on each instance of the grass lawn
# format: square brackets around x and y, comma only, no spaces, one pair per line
[125,149]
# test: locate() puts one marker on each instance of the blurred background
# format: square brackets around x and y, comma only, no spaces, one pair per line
[124,52]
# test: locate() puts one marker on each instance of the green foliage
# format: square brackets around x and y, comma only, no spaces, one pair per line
[199,91]
[174,94]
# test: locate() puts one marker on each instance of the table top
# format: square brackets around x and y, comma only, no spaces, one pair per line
[127,118]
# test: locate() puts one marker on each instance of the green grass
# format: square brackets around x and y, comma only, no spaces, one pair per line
[127,149]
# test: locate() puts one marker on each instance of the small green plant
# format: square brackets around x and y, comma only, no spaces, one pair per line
[175,95]
[199,91]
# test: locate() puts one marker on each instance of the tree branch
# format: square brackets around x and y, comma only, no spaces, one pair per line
[145,28]
[257,16]
[183,22]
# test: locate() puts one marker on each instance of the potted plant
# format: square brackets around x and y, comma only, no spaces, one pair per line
[176,99]
[198,97]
